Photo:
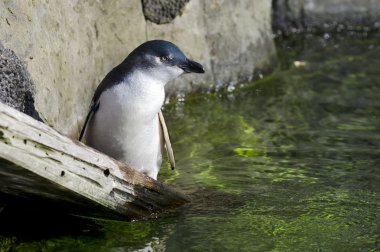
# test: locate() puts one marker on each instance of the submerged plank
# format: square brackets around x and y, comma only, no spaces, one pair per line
[37,160]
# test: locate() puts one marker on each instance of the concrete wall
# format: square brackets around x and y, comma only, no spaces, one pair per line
[67,47]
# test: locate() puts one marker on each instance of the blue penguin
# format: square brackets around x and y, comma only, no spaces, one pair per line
[125,119]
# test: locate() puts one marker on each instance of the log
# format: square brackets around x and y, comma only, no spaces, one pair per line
[37,161]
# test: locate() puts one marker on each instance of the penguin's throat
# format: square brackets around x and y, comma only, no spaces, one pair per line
[146,79]
[138,99]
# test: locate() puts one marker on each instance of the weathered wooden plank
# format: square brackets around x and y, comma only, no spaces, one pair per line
[33,155]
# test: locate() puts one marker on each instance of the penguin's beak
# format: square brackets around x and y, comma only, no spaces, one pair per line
[190,66]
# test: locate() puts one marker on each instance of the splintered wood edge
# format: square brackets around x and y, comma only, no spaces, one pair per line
[40,149]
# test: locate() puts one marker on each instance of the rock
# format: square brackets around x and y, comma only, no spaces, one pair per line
[239,37]
[188,33]
[162,11]
[67,47]
[16,88]
[325,15]
[319,13]
[233,40]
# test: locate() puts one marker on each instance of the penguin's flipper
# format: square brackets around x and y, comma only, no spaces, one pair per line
[167,139]
[93,108]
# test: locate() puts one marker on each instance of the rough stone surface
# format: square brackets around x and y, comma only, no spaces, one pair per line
[162,11]
[189,33]
[239,38]
[347,12]
[16,88]
[232,39]
[69,46]
[327,15]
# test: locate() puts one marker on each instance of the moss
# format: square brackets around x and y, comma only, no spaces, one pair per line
[6,243]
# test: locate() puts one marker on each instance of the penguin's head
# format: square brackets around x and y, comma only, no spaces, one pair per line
[162,60]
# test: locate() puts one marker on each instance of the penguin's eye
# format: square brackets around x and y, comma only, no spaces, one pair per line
[165,58]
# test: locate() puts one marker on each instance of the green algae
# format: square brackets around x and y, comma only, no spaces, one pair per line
[289,162]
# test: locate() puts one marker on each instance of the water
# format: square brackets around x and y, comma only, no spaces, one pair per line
[287,163]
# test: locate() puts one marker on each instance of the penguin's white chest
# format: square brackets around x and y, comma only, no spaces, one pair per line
[126,126]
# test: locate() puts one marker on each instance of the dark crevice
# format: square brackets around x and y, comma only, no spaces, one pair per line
[162,11]
[106,172]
